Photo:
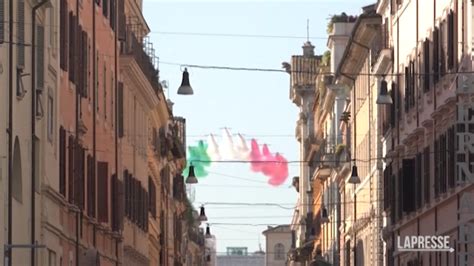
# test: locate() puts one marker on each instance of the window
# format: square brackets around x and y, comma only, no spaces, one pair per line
[2,18]
[51,258]
[103,189]
[120,112]
[96,85]
[279,251]
[104,96]
[50,115]
[63,35]
[20,33]
[62,161]
[40,57]
[91,187]
[112,95]
[408,185]
[426,174]
[17,186]
[105,8]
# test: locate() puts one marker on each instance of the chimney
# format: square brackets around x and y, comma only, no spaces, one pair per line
[308,49]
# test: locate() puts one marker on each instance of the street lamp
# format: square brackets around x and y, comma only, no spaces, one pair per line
[324,216]
[185,88]
[191,179]
[384,97]
[354,179]
[208,231]
[202,216]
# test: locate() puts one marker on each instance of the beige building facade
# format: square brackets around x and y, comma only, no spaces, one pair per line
[278,242]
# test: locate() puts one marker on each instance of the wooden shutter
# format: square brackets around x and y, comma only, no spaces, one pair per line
[40,58]
[451,157]
[127,192]
[442,150]
[79,176]
[122,21]
[105,8]
[437,168]
[70,166]
[407,88]
[393,107]
[152,196]
[387,174]
[435,63]
[116,201]
[62,161]
[84,59]
[72,47]
[120,122]
[20,32]
[113,16]
[2,18]
[426,174]
[418,178]
[63,35]
[426,65]
[91,187]
[103,191]
[408,185]
[450,39]
[133,199]
[78,59]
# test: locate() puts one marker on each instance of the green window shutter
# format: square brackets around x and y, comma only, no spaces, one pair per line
[2,18]
[40,58]
[20,33]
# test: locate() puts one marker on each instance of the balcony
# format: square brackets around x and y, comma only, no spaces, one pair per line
[143,53]
[179,137]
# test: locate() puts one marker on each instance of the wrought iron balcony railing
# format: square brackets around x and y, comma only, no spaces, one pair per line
[140,50]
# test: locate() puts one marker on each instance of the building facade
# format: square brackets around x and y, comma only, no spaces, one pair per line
[277,244]
[428,173]
[93,153]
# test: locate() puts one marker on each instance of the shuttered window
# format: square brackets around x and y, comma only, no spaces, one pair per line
[452,40]
[127,193]
[62,161]
[435,52]
[387,173]
[418,180]
[40,49]
[91,187]
[121,21]
[152,197]
[408,185]
[63,35]
[443,164]
[79,169]
[20,32]
[120,120]
[103,191]
[113,16]
[426,65]
[437,167]
[451,157]
[117,203]
[70,166]
[2,18]
[426,174]
[84,59]
[72,47]
[105,8]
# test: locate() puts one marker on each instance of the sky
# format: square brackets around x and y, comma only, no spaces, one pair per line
[253,103]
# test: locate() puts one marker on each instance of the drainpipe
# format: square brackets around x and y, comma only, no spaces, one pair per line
[33,127]
[117,262]
[94,108]
[78,106]
[7,251]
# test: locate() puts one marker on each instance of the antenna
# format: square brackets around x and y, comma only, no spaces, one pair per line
[307,30]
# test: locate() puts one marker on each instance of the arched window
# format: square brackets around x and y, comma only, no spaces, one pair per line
[17,184]
[279,251]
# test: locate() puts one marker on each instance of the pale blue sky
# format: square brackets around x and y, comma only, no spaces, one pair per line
[253,103]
